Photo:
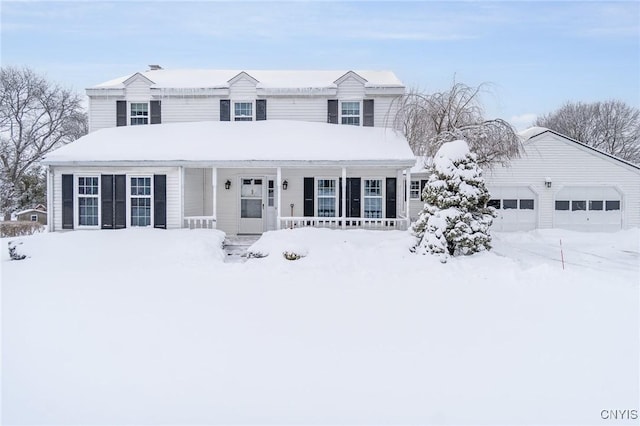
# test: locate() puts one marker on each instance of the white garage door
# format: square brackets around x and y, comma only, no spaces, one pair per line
[588,208]
[517,208]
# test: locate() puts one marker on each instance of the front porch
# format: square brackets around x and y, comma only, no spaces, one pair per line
[254,200]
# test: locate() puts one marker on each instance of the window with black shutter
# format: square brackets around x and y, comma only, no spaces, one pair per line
[367,109]
[160,201]
[332,111]
[308,196]
[391,198]
[67,201]
[156,115]
[121,113]
[261,109]
[225,110]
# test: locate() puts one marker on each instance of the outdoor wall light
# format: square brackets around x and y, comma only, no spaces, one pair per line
[285,184]
[227,184]
[547,182]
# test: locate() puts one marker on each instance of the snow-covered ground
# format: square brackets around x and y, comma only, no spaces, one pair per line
[152,327]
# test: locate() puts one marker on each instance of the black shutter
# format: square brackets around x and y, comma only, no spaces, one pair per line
[225,110]
[353,197]
[423,183]
[332,111]
[156,113]
[308,196]
[367,107]
[261,109]
[67,201]
[160,201]
[121,113]
[391,198]
[120,202]
[106,195]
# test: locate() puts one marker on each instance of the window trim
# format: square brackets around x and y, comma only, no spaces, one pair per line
[130,197]
[411,189]
[335,197]
[341,115]
[77,196]
[130,117]
[364,196]
[241,101]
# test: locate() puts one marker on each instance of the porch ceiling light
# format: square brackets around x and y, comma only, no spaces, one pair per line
[285,184]
[227,184]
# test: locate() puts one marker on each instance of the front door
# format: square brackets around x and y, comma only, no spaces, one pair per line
[251,206]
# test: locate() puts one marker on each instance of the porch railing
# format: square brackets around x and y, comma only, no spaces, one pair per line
[400,223]
[199,222]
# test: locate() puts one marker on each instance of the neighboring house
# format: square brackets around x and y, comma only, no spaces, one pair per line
[558,182]
[241,178]
[361,98]
[37,214]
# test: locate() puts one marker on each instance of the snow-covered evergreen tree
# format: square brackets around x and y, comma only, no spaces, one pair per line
[455,219]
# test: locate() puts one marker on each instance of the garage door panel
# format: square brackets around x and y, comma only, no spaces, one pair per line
[518,208]
[590,208]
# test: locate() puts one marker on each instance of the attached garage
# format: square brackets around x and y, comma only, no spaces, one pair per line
[557,182]
[588,208]
[516,206]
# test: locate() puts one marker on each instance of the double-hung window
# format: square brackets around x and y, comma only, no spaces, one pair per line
[88,200]
[373,198]
[140,201]
[243,111]
[139,113]
[326,197]
[350,113]
[414,190]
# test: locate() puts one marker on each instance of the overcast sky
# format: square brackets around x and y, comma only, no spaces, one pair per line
[536,55]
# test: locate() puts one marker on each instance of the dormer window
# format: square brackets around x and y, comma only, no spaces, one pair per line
[243,111]
[139,113]
[350,113]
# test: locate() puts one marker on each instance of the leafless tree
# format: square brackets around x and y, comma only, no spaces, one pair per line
[611,126]
[429,120]
[36,116]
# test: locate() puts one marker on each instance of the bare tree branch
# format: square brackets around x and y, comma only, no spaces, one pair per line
[611,126]
[429,120]
[36,117]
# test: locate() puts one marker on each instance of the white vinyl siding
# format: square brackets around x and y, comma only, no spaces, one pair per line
[297,108]
[102,112]
[351,88]
[568,164]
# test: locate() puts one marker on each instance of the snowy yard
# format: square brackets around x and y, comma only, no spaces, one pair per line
[151,327]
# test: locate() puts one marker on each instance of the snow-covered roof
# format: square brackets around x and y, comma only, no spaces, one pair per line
[422,163]
[30,211]
[207,78]
[527,134]
[238,143]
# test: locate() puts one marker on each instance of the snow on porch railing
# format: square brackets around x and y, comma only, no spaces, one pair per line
[349,223]
[199,222]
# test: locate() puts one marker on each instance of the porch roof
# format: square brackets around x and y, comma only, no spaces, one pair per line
[238,144]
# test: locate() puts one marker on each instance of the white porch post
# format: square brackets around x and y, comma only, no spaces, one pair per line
[408,195]
[214,184]
[49,199]
[278,195]
[343,213]
[181,188]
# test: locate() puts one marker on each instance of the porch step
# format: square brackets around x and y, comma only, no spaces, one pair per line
[235,247]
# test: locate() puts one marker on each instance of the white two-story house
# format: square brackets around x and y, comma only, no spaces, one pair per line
[240,150]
